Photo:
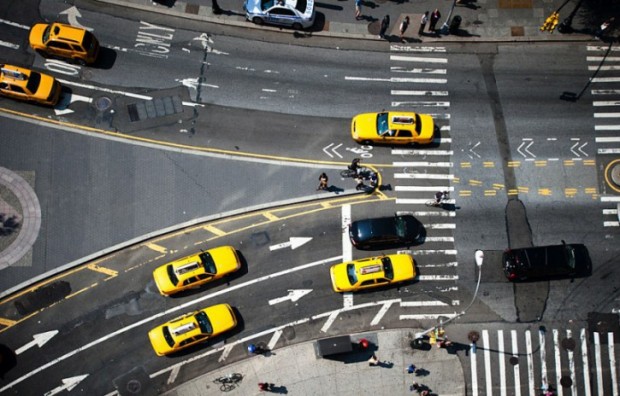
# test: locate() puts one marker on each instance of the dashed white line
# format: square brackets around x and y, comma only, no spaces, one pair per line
[401,58]
[9,45]
[419,93]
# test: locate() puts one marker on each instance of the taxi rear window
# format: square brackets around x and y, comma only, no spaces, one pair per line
[33,81]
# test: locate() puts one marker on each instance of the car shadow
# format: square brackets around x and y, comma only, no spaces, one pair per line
[106,59]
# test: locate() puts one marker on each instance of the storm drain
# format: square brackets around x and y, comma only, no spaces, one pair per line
[158,107]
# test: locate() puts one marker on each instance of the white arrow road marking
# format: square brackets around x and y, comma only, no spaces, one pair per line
[471,150]
[67,384]
[225,353]
[578,148]
[293,296]
[72,15]
[293,242]
[528,143]
[39,340]
[173,375]
[193,83]
[329,147]
[63,107]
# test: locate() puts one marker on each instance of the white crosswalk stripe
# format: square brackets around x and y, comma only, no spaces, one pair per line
[558,362]
[420,74]
[606,105]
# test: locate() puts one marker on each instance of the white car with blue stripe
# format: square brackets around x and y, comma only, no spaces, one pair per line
[298,14]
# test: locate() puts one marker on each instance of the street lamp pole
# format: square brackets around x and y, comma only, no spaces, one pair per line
[479,258]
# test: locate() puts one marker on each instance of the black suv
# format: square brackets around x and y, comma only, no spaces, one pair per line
[557,261]
[385,232]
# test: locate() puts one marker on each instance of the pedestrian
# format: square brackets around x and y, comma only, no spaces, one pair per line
[403,28]
[423,23]
[358,9]
[604,26]
[323,179]
[385,23]
[373,361]
[434,19]
[360,183]
[415,386]
[215,7]
[355,165]
[411,369]
[364,343]
[264,387]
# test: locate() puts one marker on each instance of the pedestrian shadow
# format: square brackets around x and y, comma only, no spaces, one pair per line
[385,364]
[328,6]
[421,372]
[462,33]
[335,189]
[369,4]
[471,4]
[277,389]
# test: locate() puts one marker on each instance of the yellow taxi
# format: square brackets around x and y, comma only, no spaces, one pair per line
[64,41]
[25,84]
[195,270]
[372,272]
[192,328]
[393,127]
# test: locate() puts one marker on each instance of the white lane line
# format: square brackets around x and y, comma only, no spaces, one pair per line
[599,366]
[329,321]
[543,360]
[605,103]
[375,321]
[450,252]
[406,48]
[399,80]
[427,316]
[421,152]
[487,362]
[419,93]
[571,364]
[605,91]
[610,199]
[401,58]
[607,127]
[606,115]
[274,339]
[608,151]
[169,311]
[225,353]
[442,265]
[515,352]
[400,69]
[9,45]
[585,362]
[601,58]
[423,176]
[423,164]
[502,362]
[612,363]
[439,239]
[428,303]
[347,248]
[450,278]
[423,213]
[607,139]
[421,104]
[474,372]
[530,363]
[606,68]
[601,48]
[611,224]
[610,211]
[558,362]
[423,188]
[14,24]
[173,375]
[605,79]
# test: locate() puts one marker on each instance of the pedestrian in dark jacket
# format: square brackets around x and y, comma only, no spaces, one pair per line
[423,23]
[385,23]
[434,19]
[403,28]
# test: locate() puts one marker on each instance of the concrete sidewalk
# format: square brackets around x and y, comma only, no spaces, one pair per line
[482,20]
[297,370]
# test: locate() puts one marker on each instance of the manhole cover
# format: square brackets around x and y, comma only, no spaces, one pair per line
[568,343]
[103,103]
[566,382]
[615,174]
[134,386]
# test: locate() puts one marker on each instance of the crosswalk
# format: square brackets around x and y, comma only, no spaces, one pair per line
[604,62]
[523,363]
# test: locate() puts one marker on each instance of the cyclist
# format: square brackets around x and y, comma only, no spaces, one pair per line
[355,165]
[440,196]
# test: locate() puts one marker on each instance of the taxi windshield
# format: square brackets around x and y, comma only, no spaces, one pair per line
[33,81]
[388,270]
[382,124]
[204,323]
[351,274]
[46,33]
[208,263]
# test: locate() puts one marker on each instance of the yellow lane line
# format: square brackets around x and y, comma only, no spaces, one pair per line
[214,230]
[488,164]
[7,322]
[270,216]
[103,270]
[156,247]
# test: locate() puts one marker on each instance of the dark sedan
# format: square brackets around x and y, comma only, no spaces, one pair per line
[557,261]
[385,232]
